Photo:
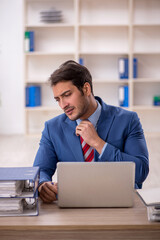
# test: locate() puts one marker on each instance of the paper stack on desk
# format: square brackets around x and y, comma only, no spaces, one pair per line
[11,188]
[18,191]
[8,205]
[151,198]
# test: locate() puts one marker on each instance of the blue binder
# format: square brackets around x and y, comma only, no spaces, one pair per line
[33,96]
[31,41]
[19,173]
[123,68]
[135,67]
[123,96]
[81,61]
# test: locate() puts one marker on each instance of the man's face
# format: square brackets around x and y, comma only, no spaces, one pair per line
[71,100]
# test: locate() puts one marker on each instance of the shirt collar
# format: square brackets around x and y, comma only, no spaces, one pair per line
[94,117]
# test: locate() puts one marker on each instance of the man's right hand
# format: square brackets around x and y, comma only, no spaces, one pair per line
[48,191]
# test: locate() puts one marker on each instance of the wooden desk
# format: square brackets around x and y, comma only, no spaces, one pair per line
[105,223]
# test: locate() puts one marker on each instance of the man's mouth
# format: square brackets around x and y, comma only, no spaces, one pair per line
[69,110]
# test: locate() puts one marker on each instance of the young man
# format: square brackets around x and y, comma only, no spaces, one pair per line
[89,130]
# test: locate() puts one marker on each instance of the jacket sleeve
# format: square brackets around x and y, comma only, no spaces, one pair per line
[46,157]
[134,150]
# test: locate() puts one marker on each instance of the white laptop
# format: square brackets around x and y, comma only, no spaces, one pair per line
[95,184]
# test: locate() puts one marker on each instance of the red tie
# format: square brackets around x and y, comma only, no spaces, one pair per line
[88,151]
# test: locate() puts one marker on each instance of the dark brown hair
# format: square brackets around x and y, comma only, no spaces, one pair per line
[74,72]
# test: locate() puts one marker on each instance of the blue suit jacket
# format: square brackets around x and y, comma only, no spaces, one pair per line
[121,129]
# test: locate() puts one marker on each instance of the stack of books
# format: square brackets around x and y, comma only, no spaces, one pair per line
[19,191]
[51,16]
[151,198]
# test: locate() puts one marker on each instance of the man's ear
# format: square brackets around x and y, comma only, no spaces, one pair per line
[87,89]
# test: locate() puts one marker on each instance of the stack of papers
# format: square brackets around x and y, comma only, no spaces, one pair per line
[154,213]
[151,198]
[18,206]
[8,205]
[11,188]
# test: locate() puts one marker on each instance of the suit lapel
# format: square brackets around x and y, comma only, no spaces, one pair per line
[105,122]
[74,141]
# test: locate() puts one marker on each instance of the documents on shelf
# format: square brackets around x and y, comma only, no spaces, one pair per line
[151,198]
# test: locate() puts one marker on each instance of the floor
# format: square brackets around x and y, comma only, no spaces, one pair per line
[20,150]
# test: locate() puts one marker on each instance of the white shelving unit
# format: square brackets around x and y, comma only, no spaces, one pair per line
[100,32]
[146,47]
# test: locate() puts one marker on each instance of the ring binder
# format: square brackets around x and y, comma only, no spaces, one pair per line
[151,198]
[19,191]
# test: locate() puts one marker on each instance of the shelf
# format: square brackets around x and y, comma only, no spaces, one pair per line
[146,25]
[103,40]
[146,12]
[148,66]
[111,52]
[146,108]
[33,8]
[105,25]
[36,81]
[48,53]
[146,80]
[67,25]
[40,67]
[104,12]
[43,109]
[146,53]
[51,25]
[145,38]
[110,81]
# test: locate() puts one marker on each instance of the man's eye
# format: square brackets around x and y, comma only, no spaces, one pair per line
[67,95]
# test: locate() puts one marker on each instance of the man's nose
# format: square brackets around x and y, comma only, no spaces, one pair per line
[63,104]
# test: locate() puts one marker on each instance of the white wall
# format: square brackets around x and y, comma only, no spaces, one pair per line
[11,67]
